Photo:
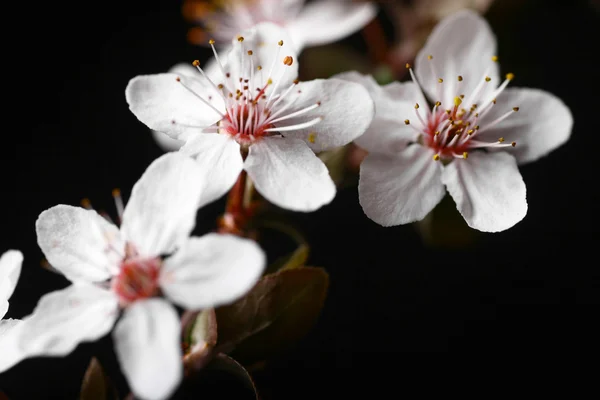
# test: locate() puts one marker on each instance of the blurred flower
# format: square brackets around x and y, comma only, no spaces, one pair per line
[10,269]
[415,149]
[414,20]
[129,268]
[313,24]
[248,112]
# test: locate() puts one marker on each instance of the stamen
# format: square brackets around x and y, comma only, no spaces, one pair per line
[419,116]
[414,79]
[200,97]
[280,44]
[295,114]
[218,60]
[86,203]
[287,61]
[295,127]
[116,193]
[499,119]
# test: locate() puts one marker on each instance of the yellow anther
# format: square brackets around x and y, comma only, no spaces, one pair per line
[270,81]
[430,57]
[407,121]
[250,52]
[457,101]
[476,127]
[280,43]
[288,60]
[116,192]
[494,101]
[437,103]
[513,144]
[196,63]
[515,109]
[86,203]
[211,41]
[440,80]
[487,79]
[416,106]
[407,66]
[470,132]
[296,81]
[495,58]
[465,155]
[510,76]
[436,133]
[436,157]
[259,67]
[220,86]
[460,78]
[462,96]
[448,112]
[500,140]
[240,39]
[311,137]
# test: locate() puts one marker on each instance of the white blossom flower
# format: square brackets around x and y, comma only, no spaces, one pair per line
[470,139]
[317,23]
[129,268]
[10,269]
[250,113]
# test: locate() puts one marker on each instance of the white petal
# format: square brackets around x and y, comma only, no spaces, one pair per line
[212,270]
[263,40]
[79,243]
[288,174]
[3,308]
[394,103]
[323,22]
[10,331]
[161,211]
[396,190]
[65,318]
[10,269]
[166,143]
[165,105]
[461,44]
[163,140]
[147,346]
[542,123]
[220,159]
[488,190]
[346,108]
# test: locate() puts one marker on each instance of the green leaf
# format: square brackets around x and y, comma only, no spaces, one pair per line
[295,259]
[280,310]
[96,385]
[222,378]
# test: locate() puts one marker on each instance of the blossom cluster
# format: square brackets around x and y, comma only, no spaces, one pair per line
[456,126]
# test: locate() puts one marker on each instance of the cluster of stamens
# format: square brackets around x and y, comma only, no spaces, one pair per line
[254,104]
[136,277]
[453,131]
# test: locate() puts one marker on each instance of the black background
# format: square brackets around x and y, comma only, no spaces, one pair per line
[523,298]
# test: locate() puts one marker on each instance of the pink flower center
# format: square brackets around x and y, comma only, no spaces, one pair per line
[138,277]
[452,130]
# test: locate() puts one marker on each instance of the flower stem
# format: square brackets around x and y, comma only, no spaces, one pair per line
[239,208]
